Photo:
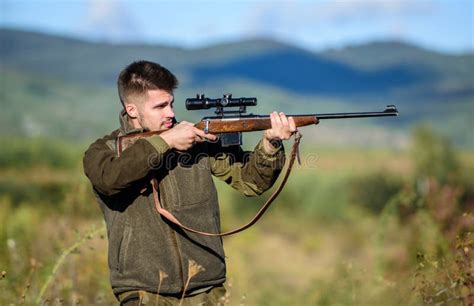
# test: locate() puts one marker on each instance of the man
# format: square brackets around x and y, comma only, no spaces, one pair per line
[151,259]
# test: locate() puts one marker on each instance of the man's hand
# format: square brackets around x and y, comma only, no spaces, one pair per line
[282,129]
[184,135]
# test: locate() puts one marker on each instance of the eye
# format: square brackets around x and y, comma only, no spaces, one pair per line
[161,106]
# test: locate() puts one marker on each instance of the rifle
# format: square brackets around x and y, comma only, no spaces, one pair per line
[230,124]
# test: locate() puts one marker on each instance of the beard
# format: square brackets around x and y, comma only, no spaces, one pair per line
[148,126]
[142,122]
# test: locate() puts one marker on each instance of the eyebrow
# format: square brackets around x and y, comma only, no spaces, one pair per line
[164,103]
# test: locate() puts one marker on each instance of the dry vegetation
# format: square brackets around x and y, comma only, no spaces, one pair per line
[356,228]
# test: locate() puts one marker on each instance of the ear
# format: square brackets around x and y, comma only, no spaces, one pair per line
[131,110]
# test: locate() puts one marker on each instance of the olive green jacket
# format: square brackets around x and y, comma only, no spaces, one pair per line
[141,243]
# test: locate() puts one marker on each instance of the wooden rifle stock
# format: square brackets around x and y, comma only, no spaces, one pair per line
[247,123]
[222,125]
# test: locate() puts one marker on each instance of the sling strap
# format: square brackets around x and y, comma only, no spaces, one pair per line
[169,216]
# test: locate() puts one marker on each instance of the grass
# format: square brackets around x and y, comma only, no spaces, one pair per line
[60,261]
[315,246]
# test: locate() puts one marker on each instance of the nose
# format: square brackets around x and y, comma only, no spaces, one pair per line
[170,112]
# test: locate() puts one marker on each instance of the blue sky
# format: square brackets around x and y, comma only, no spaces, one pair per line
[443,25]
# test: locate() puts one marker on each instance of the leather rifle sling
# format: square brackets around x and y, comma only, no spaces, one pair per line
[169,216]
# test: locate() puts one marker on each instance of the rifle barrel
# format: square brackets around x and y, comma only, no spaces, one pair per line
[390,110]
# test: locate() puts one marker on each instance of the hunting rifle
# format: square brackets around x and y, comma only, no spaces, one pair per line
[229,124]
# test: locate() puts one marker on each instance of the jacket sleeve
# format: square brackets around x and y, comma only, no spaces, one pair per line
[110,174]
[251,173]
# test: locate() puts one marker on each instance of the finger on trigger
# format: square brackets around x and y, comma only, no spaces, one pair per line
[203,135]
[211,136]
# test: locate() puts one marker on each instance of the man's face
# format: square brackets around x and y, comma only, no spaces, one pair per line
[156,112]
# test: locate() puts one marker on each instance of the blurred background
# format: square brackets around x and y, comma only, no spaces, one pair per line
[378,213]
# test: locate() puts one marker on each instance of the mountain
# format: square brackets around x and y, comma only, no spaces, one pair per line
[306,73]
[74,80]
[369,69]
[451,75]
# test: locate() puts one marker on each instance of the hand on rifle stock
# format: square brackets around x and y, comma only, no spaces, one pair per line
[184,135]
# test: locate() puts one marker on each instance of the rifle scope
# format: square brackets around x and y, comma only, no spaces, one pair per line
[201,102]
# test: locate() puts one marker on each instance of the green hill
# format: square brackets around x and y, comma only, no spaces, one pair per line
[367,70]
[61,87]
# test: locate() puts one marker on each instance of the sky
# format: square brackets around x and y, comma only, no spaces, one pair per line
[441,25]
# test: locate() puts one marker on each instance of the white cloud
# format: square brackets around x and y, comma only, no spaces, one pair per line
[293,16]
[110,21]
[354,10]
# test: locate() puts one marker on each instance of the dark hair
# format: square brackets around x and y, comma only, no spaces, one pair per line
[141,76]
